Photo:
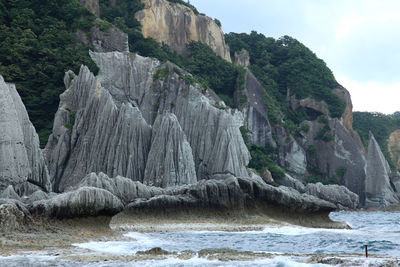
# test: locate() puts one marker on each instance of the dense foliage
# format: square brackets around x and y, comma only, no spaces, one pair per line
[36,48]
[286,64]
[379,124]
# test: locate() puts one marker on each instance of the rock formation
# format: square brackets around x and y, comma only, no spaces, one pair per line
[92,5]
[111,116]
[177,25]
[21,159]
[256,113]
[242,58]
[393,147]
[112,39]
[170,160]
[379,192]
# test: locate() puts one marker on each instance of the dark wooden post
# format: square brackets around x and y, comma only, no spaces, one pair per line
[366,251]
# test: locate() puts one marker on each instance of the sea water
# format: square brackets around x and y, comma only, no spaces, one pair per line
[379,230]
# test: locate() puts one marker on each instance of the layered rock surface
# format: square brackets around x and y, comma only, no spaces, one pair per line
[177,25]
[21,159]
[111,116]
[379,192]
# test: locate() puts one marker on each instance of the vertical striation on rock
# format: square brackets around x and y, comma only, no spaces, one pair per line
[170,160]
[378,190]
[21,159]
[176,25]
[393,147]
[103,124]
[256,113]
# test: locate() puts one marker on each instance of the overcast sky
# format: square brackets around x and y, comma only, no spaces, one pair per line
[358,39]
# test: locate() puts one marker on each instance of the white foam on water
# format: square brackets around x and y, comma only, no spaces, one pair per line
[282,230]
[141,242]
[298,230]
[114,247]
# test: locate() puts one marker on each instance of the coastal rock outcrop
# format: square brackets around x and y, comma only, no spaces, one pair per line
[378,190]
[83,202]
[112,116]
[21,159]
[336,194]
[177,25]
[113,39]
[336,152]
[170,160]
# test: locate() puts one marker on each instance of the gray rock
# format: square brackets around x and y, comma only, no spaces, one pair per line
[10,193]
[117,134]
[113,39]
[113,114]
[83,202]
[345,151]
[125,189]
[256,113]
[92,5]
[20,156]
[337,194]
[11,218]
[170,160]
[291,182]
[242,58]
[232,194]
[379,192]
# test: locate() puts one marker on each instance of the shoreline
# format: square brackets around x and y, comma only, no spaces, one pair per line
[56,240]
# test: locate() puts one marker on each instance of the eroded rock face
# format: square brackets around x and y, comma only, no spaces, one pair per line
[343,150]
[242,58]
[256,113]
[176,25]
[347,117]
[83,202]
[393,146]
[108,41]
[111,116]
[379,192]
[337,194]
[21,159]
[170,160]
[92,5]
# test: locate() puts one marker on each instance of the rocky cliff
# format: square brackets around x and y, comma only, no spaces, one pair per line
[177,25]
[393,147]
[21,160]
[112,115]
[379,192]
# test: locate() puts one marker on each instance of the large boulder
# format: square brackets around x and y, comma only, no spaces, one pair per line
[21,159]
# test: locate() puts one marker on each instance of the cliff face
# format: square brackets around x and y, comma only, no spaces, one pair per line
[92,5]
[21,159]
[379,192]
[393,146]
[111,116]
[176,25]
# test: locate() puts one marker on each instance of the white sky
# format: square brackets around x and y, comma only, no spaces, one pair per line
[358,39]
